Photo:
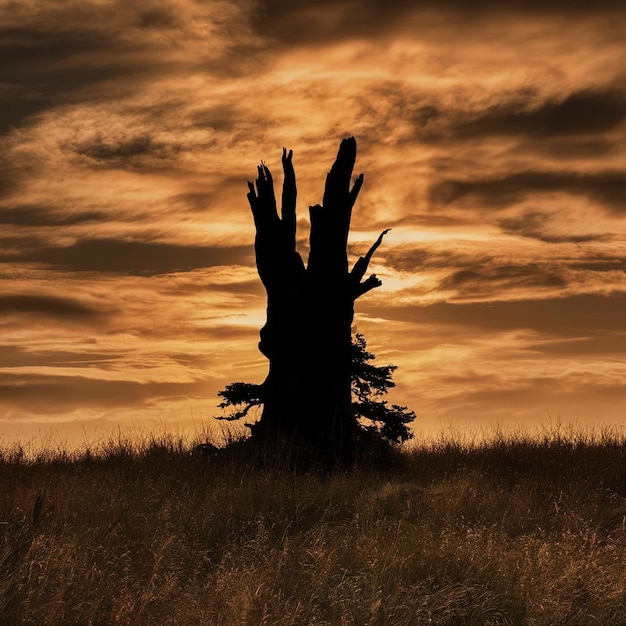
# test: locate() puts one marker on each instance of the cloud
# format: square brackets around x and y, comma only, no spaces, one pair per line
[35,216]
[127,152]
[600,263]
[606,187]
[526,114]
[17,105]
[50,394]
[304,21]
[76,51]
[568,316]
[600,344]
[536,224]
[133,257]
[16,356]
[130,129]
[563,398]
[76,59]
[491,281]
[57,307]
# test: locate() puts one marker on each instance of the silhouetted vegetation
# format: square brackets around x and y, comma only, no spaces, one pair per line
[310,308]
[514,530]
[369,384]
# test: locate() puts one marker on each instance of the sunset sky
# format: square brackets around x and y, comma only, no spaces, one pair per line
[492,136]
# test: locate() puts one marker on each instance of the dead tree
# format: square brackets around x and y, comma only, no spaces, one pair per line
[307,337]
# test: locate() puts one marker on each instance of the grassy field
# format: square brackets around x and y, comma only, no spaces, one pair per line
[514,530]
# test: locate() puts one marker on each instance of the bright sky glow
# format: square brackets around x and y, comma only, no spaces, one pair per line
[493,143]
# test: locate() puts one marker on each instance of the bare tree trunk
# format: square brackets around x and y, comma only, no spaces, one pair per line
[307,336]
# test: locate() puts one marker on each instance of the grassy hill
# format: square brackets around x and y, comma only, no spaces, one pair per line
[516,530]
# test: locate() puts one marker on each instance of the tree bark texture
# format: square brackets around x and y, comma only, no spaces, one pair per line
[307,336]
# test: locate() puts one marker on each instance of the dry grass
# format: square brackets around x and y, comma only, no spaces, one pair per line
[511,531]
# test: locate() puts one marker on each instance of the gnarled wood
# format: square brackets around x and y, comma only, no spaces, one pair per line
[307,336]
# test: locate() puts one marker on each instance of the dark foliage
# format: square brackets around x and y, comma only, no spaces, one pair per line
[369,384]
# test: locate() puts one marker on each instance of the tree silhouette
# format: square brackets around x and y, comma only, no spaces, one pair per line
[307,336]
[368,384]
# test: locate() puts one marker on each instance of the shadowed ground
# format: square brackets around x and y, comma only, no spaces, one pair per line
[514,531]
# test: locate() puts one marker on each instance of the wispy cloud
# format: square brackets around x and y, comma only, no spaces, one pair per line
[144,258]
[492,138]
[57,307]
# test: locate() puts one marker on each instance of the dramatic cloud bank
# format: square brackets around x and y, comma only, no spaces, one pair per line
[493,142]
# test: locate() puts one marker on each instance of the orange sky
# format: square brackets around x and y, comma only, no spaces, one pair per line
[493,143]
